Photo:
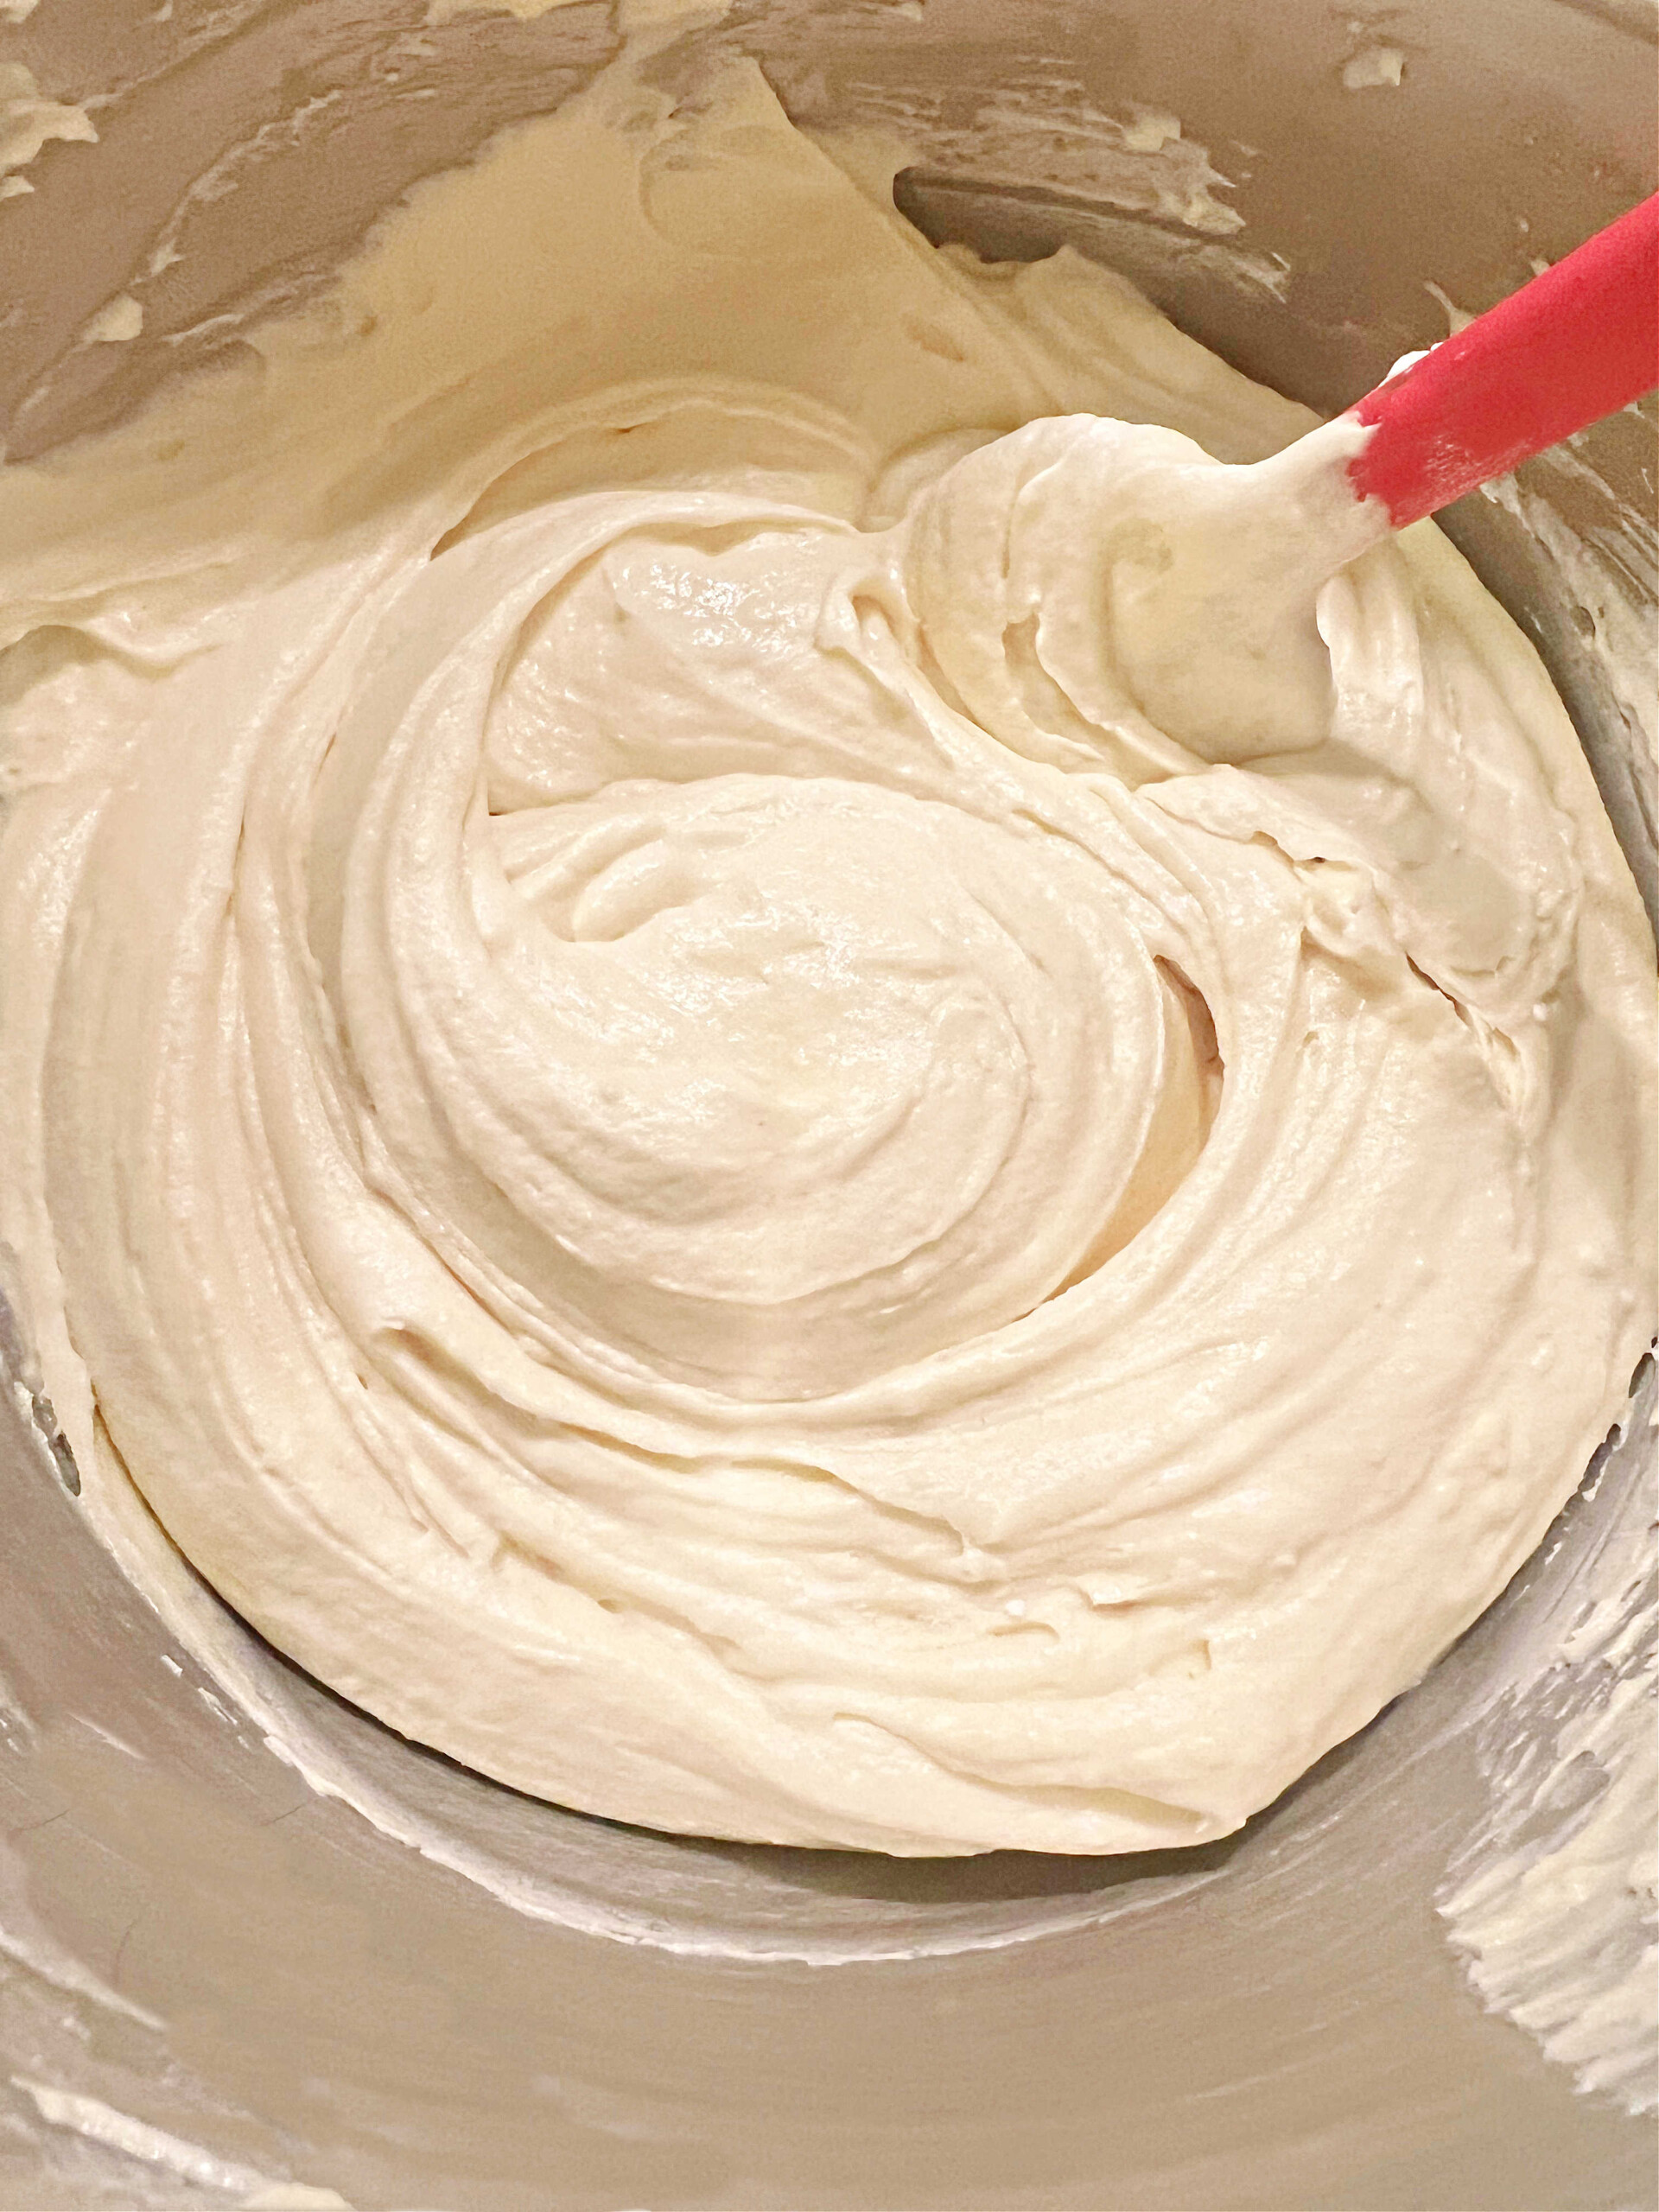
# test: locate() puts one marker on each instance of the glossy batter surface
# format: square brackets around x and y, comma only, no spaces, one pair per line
[676,1140]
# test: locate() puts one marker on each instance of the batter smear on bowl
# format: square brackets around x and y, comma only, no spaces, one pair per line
[675,1142]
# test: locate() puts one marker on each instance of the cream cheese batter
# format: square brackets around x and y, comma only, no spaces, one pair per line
[675,1138]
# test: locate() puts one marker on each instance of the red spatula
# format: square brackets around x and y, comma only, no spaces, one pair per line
[1216,635]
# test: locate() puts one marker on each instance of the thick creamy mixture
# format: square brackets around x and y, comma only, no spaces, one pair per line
[677,1140]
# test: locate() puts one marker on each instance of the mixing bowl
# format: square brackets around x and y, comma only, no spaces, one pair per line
[252,1945]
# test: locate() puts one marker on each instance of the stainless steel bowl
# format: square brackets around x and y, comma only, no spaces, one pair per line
[418,1989]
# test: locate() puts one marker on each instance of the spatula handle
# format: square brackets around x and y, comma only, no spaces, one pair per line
[1579,342]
